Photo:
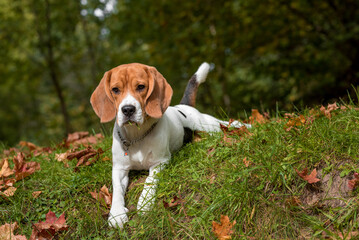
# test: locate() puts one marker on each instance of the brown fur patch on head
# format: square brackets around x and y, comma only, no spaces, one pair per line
[159,95]
[143,82]
[101,100]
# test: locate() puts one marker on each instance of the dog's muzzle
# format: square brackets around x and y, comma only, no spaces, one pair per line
[129,111]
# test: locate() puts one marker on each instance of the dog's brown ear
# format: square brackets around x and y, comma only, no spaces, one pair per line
[101,100]
[159,94]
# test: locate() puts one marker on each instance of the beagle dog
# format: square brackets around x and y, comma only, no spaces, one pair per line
[146,129]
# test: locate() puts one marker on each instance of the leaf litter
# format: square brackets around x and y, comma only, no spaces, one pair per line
[311,178]
[21,170]
[103,196]
[81,138]
[85,156]
[50,228]
[223,230]
[317,186]
[7,232]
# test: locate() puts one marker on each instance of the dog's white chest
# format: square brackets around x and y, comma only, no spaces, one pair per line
[139,159]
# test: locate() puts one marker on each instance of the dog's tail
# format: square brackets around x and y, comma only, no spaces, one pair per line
[189,96]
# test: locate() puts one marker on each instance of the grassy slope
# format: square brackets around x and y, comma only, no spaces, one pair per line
[260,197]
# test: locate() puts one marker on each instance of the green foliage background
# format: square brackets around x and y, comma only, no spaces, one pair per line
[269,54]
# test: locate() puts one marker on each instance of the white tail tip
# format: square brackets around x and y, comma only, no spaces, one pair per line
[202,72]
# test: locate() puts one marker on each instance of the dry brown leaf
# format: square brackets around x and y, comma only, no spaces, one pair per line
[62,157]
[36,194]
[72,137]
[79,154]
[10,151]
[10,191]
[235,131]
[5,169]
[7,232]
[84,160]
[44,150]
[332,107]
[7,183]
[223,230]
[22,168]
[296,121]
[352,184]
[35,150]
[90,153]
[29,145]
[256,117]
[311,178]
[197,136]
[210,151]
[106,159]
[212,178]
[81,138]
[83,156]
[174,202]
[246,162]
[49,228]
[104,196]
[293,201]
[242,131]
[88,140]
[228,141]
[327,111]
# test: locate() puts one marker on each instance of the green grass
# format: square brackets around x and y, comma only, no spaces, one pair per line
[212,183]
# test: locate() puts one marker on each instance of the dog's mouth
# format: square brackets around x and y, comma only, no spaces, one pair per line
[129,122]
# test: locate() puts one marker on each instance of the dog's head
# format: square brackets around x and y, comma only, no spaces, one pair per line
[131,92]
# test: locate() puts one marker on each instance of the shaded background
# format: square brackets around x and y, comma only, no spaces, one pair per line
[266,54]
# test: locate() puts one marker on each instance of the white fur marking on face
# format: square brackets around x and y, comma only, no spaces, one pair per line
[137,117]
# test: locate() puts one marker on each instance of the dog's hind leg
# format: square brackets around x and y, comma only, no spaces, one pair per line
[189,96]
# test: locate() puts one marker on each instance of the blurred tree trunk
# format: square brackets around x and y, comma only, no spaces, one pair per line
[47,50]
[89,45]
[52,68]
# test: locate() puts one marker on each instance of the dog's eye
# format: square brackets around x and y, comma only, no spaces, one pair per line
[140,87]
[115,90]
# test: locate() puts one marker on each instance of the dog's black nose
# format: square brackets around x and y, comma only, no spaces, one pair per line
[128,110]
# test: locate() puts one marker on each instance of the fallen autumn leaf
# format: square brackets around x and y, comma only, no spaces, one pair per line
[5,169]
[36,194]
[311,178]
[174,202]
[22,168]
[223,230]
[9,192]
[103,196]
[81,138]
[7,232]
[256,117]
[352,184]
[49,228]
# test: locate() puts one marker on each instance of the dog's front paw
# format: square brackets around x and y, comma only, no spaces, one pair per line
[118,219]
[145,205]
